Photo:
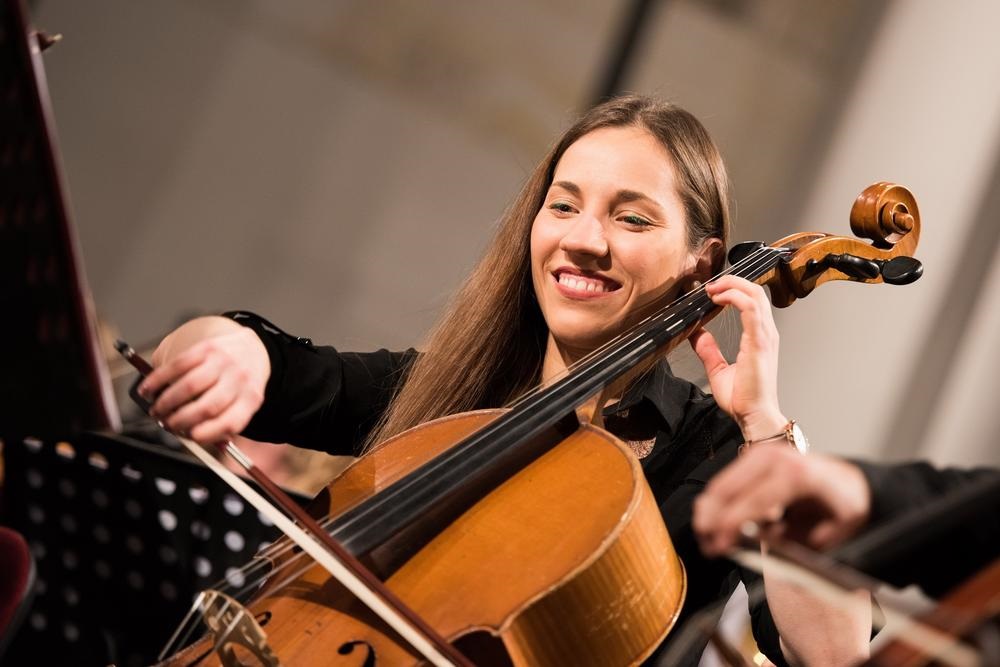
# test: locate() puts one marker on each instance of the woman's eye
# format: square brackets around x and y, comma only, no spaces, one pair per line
[636,220]
[561,206]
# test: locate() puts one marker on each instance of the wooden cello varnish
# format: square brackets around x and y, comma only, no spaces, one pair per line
[566,563]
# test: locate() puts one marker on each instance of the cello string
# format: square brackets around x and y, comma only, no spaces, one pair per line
[639,328]
[180,637]
[692,301]
[339,563]
[411,486]
[630,337]
[190,623]
[681,307]
[415,485]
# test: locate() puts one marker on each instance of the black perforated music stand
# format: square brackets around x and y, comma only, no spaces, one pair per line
[124,535]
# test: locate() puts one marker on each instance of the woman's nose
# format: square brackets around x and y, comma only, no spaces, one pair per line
[586,235]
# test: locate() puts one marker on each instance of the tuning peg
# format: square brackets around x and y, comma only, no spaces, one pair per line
[895,271]
[901,270]
[851,265]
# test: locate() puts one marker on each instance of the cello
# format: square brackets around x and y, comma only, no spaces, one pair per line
[444,507]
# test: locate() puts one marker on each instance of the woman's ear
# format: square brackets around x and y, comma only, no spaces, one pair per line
[708,256]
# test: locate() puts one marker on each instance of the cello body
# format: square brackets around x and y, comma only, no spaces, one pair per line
[517,579]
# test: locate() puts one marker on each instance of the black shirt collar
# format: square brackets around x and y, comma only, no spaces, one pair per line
[659,386]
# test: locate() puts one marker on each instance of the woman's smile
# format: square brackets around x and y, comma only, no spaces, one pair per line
[576,284]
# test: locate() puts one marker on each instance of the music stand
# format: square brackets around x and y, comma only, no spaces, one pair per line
[123,533]
[54,379]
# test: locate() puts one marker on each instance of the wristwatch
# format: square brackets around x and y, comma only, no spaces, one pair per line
[795,437]
[791,434]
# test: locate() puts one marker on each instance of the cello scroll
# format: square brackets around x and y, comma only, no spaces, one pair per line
[884,213]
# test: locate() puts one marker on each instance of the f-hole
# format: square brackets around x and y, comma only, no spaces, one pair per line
[348,648]
[484,649]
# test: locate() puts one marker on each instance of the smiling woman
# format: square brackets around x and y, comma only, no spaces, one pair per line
[629,208]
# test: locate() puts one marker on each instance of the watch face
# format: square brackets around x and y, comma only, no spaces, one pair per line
[799,439]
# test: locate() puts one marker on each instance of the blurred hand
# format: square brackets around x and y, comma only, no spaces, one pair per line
[814,499]
[209,379]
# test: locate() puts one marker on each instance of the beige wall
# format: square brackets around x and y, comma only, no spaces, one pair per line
[337,167]
[926,113]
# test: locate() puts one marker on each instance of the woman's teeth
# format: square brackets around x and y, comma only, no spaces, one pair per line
[582,284]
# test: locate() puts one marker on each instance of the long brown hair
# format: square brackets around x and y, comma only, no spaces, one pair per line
[488,347]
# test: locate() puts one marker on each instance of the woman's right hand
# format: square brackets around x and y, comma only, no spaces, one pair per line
[209,379]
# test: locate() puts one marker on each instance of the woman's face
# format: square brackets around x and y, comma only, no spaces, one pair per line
[610,237]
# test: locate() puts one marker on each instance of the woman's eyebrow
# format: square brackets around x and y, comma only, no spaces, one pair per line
[625,196]
[569,187]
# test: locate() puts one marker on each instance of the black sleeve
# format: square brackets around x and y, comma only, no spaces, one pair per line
[966,547]
[318,397]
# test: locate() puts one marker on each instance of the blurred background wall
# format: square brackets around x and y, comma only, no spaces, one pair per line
[338,166]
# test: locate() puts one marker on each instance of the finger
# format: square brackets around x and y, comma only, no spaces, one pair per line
[730,528]
[763,506]
[169,372]
[757,487]
[707,349]
[208,405]
[732,283]
[733,482]
[227,425]
[727,282]
[751,310]
[196,381]
[768,497]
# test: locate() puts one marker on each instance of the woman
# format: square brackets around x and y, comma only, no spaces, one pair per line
[629,207]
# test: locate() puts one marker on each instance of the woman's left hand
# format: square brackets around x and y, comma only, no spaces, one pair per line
[748,388]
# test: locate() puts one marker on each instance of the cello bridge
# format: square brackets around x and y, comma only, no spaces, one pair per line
[233,625]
